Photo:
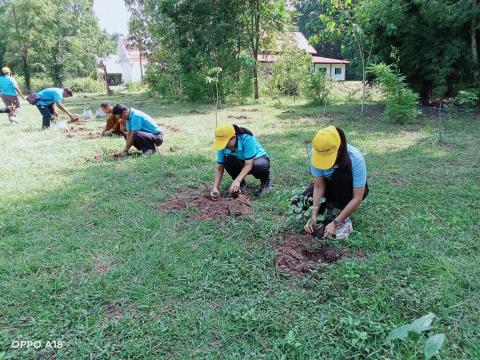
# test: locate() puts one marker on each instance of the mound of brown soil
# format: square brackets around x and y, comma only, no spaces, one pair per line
[81,132]
[172,128]
[197,112]
[238,117]
[300,254]
[208,208]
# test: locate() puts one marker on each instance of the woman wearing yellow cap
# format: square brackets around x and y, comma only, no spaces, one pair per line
[240,154]
[9,90]
[340,176]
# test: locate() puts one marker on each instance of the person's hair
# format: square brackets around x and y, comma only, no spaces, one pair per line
[6,71]
[104,104]
[343,160]
[241,130]
[118,109]
[68,91]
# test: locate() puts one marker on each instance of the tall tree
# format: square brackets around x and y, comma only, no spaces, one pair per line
[77,39]
[433,39]
[27,35]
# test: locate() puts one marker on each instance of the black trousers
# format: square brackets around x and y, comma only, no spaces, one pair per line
[47,112]
[260,169]
[338,191]
[145,141]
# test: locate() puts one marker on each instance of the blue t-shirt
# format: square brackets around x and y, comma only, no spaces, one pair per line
[359,168]
[139,121]
[247,148]
[7,85]
[49,96]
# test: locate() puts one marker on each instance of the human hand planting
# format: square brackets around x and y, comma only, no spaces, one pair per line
[235,187]
[330,230]
[215,194]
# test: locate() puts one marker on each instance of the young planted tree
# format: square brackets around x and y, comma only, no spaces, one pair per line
[346,20]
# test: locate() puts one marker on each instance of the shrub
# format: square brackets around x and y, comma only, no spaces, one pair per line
[400,101]
[288,73]
[131,86]
[37,83]
[316,87]
[467,98]
[85,85]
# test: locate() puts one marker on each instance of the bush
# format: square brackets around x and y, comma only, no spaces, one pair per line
[400,101]
[37,83]
[316,87]
[131,86]
[467,98]
[85,85]
[288,73]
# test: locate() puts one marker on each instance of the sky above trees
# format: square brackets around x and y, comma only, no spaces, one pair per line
[113,16]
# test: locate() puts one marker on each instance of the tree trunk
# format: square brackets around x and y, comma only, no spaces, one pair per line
[105,74]
[141,64]
[473,35]
[425,93]
[24,52]
[255,47]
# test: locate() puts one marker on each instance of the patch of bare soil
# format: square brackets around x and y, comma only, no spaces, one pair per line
[81,132]
[288,112]
[103,267]
[250,110]
[300,254]
[307,120]
[172,128]
[208,208]
[239,117]
[197,112]
[116,311]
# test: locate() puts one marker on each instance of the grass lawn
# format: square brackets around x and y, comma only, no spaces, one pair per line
[86,259]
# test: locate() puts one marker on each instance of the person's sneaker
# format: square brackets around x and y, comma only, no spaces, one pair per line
[148,152]
[264,187]
[13,120]
[344,230]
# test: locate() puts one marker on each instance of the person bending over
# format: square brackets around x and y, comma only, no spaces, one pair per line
[115,125]
[340,176]
[142,131]
[240,154]
[49,98]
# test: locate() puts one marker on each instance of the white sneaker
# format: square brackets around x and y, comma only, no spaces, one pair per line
[13,119]
[344,230]
[148,152]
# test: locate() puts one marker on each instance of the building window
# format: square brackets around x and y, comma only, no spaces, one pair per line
[338,71]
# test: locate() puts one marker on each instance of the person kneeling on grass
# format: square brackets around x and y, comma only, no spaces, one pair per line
[239,152]
[50,97]
[9,91]
[142,131]
[340,176]
[115,124]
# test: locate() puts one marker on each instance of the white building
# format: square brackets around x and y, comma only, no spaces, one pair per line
[126,65]
[335,68]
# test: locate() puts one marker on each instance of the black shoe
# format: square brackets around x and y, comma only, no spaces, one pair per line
[264,187]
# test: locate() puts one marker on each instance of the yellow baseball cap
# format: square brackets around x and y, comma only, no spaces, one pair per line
[223,134]
[325,148]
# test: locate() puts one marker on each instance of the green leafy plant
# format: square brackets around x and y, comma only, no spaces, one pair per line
[467,98]
[316,87]
[301,208]
[400,101]
[414,330]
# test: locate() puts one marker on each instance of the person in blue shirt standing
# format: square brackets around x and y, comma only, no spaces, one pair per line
[340,176]
[142,131]
[240,154]
[49,98]
[9,91]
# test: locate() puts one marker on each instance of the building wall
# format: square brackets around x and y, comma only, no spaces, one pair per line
[330,70]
